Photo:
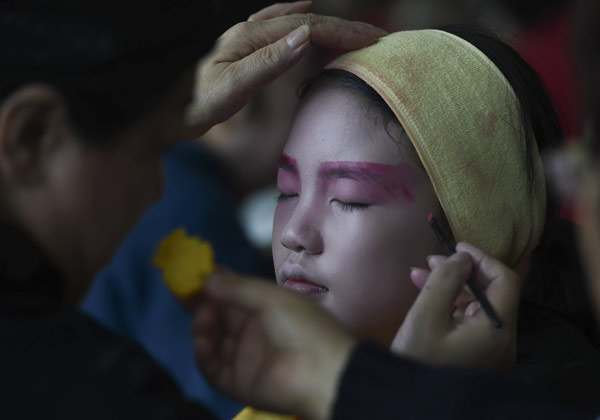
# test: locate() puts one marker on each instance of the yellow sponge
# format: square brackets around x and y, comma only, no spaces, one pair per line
[185,262]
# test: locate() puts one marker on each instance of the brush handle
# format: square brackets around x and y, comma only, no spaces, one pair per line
[485,303]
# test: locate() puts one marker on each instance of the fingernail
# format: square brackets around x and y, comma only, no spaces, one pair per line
[472,308]
[298,37]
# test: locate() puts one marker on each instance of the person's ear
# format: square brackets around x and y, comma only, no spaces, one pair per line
[32,122]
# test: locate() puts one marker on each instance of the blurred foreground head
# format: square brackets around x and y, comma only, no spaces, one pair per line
[91,93]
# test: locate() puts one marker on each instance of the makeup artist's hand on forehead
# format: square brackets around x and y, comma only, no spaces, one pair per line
[251,54]
[445,327]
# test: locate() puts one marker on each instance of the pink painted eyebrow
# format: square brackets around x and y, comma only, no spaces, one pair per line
[360,171]
[391,178]
[287,163]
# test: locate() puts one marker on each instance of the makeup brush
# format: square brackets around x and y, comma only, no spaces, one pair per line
[449,248]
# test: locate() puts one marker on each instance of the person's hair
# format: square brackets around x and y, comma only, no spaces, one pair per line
[99,112]
[111,62]
[554,277]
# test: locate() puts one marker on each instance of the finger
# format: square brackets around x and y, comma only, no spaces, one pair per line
[436,300]
[206,348]
[191,303]
[435,260]
[224,319]
[266,64]
[207,331]
[465,298]
[209,361]
[418,276]
[472,309]
[280,9]
[246,293]
[500,284]
[487,268]
[326,31]
[206,319]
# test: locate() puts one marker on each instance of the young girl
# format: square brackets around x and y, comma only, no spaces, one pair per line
[447,122]
[436,131]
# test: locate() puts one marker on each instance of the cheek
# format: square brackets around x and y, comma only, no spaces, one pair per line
[373,250]
[115,191]
[372,290]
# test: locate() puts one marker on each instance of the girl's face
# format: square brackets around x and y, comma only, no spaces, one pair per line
[352,216]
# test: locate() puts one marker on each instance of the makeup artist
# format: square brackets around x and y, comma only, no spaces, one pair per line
[91,94]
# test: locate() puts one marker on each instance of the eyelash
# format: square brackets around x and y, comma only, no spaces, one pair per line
[283,197]
[348,207]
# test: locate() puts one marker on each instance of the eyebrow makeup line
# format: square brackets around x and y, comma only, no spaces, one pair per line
[392,178]
[287,163]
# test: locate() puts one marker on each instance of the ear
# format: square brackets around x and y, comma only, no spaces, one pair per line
[32,122]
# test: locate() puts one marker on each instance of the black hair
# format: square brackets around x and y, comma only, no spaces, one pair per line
[112,62]
[555,277]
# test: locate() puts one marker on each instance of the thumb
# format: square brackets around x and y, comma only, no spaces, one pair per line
[445,283]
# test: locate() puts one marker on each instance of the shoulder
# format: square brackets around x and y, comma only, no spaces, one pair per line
[65,365]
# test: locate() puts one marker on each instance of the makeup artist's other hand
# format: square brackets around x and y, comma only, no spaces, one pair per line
[253,53]
[268,347]
[447,327]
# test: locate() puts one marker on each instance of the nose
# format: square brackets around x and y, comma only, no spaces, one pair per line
[301,234]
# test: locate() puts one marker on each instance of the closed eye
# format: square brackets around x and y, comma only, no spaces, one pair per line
[283,197]
[350,207]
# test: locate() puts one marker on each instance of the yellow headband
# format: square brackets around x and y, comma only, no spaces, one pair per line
[462,117]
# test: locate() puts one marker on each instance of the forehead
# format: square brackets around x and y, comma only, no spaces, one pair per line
[337,125]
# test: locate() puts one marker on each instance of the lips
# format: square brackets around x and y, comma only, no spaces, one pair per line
[303,286]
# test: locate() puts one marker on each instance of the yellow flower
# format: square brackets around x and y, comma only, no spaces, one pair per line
[185,262]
